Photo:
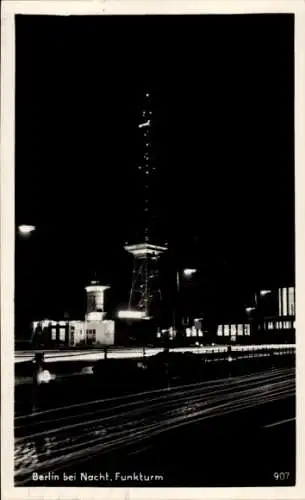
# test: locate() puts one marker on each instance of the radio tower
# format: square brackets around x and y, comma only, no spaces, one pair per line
[145,290]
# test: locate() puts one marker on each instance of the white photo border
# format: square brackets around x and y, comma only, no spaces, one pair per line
[10,8]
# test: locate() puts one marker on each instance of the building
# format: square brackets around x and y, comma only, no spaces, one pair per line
[271,319]
[277,319]
[94,330]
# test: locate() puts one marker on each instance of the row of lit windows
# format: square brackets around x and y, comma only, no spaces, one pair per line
[62,334]
[193,332]
[279,325]
[233,330]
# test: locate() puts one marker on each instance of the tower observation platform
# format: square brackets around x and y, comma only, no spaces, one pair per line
[143,250]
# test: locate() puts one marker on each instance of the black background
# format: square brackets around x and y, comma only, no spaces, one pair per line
[223,91]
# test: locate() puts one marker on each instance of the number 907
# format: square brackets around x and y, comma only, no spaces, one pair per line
[281,476]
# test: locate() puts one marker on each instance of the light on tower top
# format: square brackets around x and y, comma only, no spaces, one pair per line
[146,124]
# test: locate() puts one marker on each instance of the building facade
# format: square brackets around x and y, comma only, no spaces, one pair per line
[270,320]
[94,330]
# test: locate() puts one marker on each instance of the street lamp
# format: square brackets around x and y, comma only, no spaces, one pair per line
[23,232]
[26,230]
[185,273]
[257,297]
[262,293]
[189,272]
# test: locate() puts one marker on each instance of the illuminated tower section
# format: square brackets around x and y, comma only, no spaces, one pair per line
[95,301]
[145,290]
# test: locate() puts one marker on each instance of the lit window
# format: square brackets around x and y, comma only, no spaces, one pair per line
[194,331]
[188,332]
[233,330]
[53,333]
[219,331]
[62,334]
[270,325]
[226,331]
[291,301]
[247,329]
[280,301]
[240,330]
[284,301]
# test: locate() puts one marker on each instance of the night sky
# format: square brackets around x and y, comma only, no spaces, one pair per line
[223,93]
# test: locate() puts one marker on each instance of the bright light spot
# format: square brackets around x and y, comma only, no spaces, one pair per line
[250,309]
[230,359]
[263,293]
[145,124]
[25,229]
[189,272]
[131,314]
[95,316]
[96,288]
[45,377]
[87,370]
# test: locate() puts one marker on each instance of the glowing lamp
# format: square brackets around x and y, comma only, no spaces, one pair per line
[26,230]
[145,124]
[250,309]
[189,272]
[45,377]
[129,314]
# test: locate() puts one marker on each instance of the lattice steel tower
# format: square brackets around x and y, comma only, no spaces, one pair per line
[145,293]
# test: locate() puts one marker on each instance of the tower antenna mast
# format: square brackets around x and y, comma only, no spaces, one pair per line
[145,290]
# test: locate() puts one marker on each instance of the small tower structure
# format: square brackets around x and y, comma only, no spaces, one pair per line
[95,301]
